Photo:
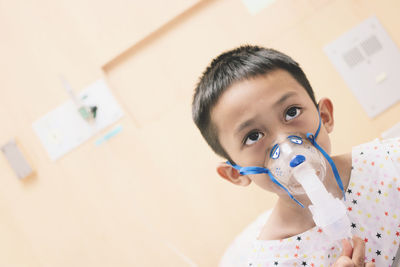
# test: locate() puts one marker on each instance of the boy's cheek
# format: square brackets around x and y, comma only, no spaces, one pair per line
[263,181]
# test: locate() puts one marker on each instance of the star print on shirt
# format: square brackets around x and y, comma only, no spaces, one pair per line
[354,201]
[275,263]
[304,263]
[379,192]
[299,238]
[349,191]
[378,252]
[378,235]
[353,225]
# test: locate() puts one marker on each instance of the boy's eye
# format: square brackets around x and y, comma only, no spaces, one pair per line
[253,138]
[292,113]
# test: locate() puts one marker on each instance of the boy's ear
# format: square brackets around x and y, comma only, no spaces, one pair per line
[326,110]
[232,175]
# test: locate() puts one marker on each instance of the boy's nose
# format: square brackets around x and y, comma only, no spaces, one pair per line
[297,160]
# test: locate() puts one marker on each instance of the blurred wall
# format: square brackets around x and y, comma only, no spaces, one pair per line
[150,195]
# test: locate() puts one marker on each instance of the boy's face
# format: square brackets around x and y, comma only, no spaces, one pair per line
[251,114]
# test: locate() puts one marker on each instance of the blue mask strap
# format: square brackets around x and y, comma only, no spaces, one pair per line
[313,141]
[319,126]
[258,170]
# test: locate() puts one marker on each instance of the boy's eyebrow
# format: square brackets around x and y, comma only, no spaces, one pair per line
[243,125]
[247,123]
[284,98]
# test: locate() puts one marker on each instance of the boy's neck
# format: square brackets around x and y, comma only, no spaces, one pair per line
[343,164]
[287,220]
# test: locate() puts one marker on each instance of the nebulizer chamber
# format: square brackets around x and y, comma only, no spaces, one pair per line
[299,167]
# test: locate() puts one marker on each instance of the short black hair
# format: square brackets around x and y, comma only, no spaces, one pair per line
[236,65]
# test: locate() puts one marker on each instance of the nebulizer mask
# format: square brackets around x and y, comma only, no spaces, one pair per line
[296,163]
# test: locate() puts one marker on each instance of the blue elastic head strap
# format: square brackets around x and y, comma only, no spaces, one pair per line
[313,141]
[312,138]
[258,170]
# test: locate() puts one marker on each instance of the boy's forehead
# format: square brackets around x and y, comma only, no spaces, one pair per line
[270,90]
[248,100]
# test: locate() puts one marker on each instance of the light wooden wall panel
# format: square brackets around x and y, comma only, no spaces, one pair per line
[150,195]
[174,60]
[73,213]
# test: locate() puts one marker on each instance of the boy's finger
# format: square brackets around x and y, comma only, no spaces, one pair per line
[358,251]
[347,248]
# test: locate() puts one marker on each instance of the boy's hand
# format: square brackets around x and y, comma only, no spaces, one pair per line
[353,257]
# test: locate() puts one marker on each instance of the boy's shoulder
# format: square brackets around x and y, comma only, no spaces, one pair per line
[379,158]
[377,146]
[391,143]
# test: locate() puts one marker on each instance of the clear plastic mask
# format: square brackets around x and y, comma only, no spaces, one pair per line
[290,151]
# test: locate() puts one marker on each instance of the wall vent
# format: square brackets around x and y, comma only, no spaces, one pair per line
[369,62]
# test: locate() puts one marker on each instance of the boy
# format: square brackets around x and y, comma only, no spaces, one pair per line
[246,99]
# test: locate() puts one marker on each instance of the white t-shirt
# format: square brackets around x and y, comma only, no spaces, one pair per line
[373,207]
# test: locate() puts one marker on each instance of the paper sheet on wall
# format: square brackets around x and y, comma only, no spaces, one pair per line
[63,129]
